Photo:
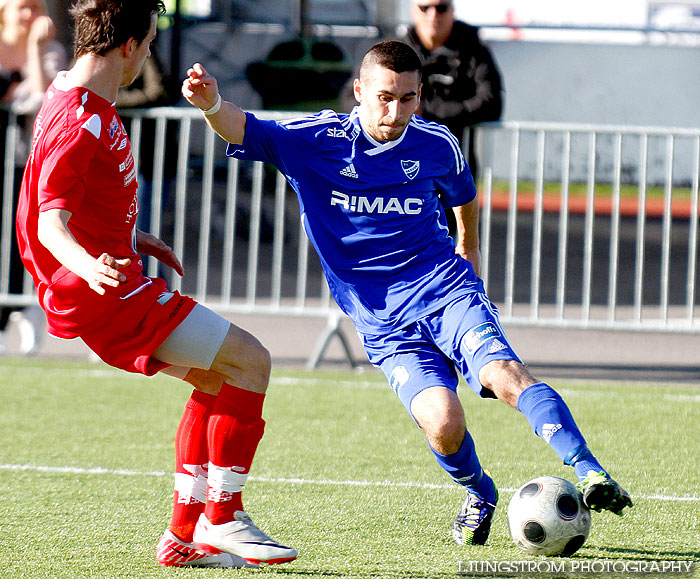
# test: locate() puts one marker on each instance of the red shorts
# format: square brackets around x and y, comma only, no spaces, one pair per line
[123,332]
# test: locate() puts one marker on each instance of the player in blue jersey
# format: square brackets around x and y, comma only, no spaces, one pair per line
[368,185]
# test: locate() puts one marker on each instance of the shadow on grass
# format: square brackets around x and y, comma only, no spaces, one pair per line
[393,573]
[647,555]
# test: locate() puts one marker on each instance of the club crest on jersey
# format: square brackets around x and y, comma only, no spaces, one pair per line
[410,168]
[113,127]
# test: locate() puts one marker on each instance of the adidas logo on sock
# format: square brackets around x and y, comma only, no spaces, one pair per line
[349,171]
[549,430]
[496,346]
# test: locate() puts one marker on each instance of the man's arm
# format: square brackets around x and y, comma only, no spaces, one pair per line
[201,90]
[467,217]
[55,236]
[150,245]
[487,102]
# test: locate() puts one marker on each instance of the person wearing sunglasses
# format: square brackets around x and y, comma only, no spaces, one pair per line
[461,81]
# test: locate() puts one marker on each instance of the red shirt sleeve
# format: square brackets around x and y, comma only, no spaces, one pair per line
[64,170]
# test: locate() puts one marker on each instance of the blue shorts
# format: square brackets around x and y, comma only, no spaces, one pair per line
[465,335]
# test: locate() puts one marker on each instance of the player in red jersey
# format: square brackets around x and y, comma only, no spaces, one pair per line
[77,238]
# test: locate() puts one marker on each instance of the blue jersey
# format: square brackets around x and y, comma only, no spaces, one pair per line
[372,211]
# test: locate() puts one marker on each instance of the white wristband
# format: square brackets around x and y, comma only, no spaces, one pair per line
[214,109]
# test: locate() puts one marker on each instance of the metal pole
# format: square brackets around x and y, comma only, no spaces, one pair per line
[304,26]
[296,17]
[176,42]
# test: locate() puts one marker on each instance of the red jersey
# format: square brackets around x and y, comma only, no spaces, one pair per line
[81,161]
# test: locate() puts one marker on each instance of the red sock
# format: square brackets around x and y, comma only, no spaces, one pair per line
[191,456]
[235,429]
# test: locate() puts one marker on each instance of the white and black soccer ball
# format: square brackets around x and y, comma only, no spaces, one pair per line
[547,516]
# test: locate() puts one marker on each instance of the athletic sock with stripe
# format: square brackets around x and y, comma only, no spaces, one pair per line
[234,431]
[465,469]
[191,457]
[552,421]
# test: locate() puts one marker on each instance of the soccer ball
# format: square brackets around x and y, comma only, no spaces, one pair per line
[546,516]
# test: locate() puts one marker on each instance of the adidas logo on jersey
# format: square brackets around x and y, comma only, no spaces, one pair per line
[349,171]
[496,346]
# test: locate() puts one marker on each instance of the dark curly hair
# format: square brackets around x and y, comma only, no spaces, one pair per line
[101,25]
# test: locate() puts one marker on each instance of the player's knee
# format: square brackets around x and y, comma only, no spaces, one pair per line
[243,359]
[447,439]
[439,414]
[262,362]
[444,431]
[256,364]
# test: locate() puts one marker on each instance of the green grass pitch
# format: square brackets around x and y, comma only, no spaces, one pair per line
[342,474]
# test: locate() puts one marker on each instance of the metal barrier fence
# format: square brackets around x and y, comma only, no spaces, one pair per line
[578,231]
[592,226]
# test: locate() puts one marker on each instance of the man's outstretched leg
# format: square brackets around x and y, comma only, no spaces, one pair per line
[425,380]
[552,421]
[439,413]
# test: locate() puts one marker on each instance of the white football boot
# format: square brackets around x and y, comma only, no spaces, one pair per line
[172,552]
[241,537]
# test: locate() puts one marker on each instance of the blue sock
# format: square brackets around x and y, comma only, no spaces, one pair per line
[465,469]
[551,420]
[584,461]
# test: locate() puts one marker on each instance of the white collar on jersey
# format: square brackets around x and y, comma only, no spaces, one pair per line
[379,147]
[62,83]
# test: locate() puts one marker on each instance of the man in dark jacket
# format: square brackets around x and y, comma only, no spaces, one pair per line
[461,81]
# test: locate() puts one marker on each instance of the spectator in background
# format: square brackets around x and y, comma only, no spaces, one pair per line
[30,58]
[461,81]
